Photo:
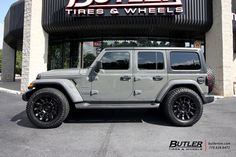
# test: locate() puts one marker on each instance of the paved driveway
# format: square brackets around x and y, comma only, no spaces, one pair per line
[116,133]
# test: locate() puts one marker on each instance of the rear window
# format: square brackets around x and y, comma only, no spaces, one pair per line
[185,61]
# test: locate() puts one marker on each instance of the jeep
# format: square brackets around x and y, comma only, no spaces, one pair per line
[175,79]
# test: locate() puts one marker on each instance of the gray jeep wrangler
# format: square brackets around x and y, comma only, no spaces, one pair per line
[176,79]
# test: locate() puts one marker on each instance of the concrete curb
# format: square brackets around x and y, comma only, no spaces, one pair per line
[9,91]
[218,97]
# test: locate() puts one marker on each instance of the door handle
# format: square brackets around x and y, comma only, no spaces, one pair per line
[137,79]
[157,78]
[125,78]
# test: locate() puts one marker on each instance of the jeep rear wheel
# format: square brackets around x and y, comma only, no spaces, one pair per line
[183,107]
[47,108]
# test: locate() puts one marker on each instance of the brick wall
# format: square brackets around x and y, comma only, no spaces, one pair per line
[219,47]
[35,43]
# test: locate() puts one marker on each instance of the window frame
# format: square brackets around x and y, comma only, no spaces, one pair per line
[150,51]
[118,51]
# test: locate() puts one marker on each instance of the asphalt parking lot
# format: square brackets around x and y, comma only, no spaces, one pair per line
[115,133]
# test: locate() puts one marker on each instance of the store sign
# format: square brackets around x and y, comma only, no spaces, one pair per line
[123,7]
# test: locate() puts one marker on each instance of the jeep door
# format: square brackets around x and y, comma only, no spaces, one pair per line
[150,74]
[114,81]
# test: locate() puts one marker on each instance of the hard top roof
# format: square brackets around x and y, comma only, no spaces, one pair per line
[152,48]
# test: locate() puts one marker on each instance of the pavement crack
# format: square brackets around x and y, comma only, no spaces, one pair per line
[104,147]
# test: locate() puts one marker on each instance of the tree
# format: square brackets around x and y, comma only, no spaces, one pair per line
[88,59]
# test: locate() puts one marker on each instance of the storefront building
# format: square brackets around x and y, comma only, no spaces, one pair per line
[55,34]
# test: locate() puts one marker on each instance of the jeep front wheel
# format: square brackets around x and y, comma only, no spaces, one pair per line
[47,108]
[183,107]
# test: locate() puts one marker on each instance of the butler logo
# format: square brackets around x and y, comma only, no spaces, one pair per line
[186,145]
[123,7]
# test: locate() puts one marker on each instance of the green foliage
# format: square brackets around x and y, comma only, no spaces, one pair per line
[0,60]
[136,43]
[18,62]
[88,59]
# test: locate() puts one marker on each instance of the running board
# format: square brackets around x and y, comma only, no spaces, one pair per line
[116,105]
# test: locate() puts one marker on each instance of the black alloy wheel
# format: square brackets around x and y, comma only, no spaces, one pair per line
[183,106]
[47,108]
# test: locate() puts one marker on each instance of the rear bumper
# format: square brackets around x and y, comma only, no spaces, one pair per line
[208,99]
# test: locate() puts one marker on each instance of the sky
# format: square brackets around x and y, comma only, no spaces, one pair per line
[4,6]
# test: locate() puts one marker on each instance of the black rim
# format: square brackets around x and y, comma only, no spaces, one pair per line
[45,109]
[184,108]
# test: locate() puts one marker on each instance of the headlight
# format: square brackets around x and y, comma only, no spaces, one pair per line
[31,86]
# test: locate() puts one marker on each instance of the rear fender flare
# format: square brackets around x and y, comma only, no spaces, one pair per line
[173,83]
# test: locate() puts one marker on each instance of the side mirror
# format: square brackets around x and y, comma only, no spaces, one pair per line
[98,66]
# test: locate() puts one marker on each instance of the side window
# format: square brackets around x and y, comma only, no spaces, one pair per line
[150,61]
[185,61]
[116,61]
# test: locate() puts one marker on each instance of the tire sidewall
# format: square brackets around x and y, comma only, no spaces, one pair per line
[184,93]
[61,106]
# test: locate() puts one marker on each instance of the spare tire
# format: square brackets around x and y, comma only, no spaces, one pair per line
[210,81]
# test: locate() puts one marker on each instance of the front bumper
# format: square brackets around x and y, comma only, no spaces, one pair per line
[27,95]
[208,99]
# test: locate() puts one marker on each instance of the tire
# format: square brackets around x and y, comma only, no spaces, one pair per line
[210,79]
[47,108]
[183,107]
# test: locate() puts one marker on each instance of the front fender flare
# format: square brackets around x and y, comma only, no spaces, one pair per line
[67,85]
